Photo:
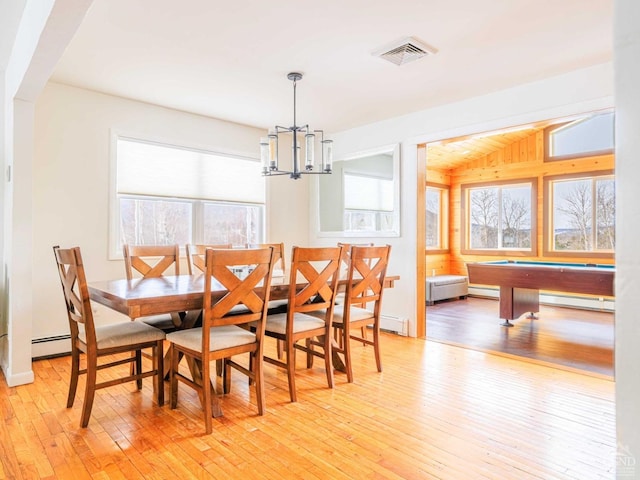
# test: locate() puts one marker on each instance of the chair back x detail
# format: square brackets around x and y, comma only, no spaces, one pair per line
[196,254]
[151,260]
[154,261]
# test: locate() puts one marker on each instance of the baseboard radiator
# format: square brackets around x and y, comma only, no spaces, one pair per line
[572,301]
[53,346]
[390,323]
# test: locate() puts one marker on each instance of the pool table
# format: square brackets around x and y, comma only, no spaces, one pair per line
[521,281]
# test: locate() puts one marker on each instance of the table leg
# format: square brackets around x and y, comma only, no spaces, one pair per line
[338,364]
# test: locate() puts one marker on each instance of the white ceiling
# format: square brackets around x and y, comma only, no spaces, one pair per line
[229,59]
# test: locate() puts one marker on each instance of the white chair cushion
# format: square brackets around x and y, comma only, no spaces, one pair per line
[301,323]
[227,336]
[357,314]
[125,333]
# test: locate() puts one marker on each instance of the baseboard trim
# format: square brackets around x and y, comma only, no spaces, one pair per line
[48,347]
[572,301]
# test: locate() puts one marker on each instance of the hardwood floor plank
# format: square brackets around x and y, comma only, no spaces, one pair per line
[436,411]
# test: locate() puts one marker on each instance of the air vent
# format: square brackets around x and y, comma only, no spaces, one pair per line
[404,51]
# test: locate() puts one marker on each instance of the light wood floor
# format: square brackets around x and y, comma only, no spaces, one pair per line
[437,411]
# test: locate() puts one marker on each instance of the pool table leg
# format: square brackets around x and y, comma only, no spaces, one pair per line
[516,301]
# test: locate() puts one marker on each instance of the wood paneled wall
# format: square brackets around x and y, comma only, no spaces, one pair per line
[521,159]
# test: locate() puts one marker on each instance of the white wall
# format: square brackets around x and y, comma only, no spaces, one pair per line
[579,91]
[627,351]
[71,183]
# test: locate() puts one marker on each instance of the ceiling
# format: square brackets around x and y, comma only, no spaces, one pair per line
[456,152]
[229,60]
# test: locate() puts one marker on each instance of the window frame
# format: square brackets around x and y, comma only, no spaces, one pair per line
[588,154]
[443,233]
[547,248]
[465,212]
[197,220]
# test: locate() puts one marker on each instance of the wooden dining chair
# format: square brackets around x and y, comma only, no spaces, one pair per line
[225,333]
[97,342]
[345,266]
[279,249]
[154,261]
[196,256]
[318,268]
[362,301]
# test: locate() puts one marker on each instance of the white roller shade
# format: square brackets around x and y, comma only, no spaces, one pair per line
[160,170]
[362,192]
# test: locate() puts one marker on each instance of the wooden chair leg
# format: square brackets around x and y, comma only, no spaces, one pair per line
[328,359]
[89,394]
[138,363]
[376,348]
[173,377]
[280,348]
[206,396]
[291,371]
[258,375]
[226,376]
[158,366]
[73,383]
[310,356]
[346,349]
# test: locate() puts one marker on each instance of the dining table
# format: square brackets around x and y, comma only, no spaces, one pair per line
[182,296]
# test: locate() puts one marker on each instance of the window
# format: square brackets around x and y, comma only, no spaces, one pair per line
[585,137]
[368,203]
[580,214]
[437,199]
[499,218]
[167,195]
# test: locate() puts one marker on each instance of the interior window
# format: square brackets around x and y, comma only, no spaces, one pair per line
[585,137]
[437,199]
[166,195]
[581,214]
[499,217]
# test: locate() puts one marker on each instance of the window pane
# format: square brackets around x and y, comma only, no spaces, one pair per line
[155,222]
[484,218]
[605,214]
[516,217]
[236,224]
[592,134]
[433,217]
[362,192]
[572,215]
[359,221]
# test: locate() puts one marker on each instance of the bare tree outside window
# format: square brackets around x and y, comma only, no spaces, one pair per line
[500,217]
[155,222]
[606,214]
[484,218]
[516,220]
[236,224]
[574,214]
[578,205]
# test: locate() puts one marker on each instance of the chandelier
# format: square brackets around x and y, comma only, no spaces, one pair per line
[269,146]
